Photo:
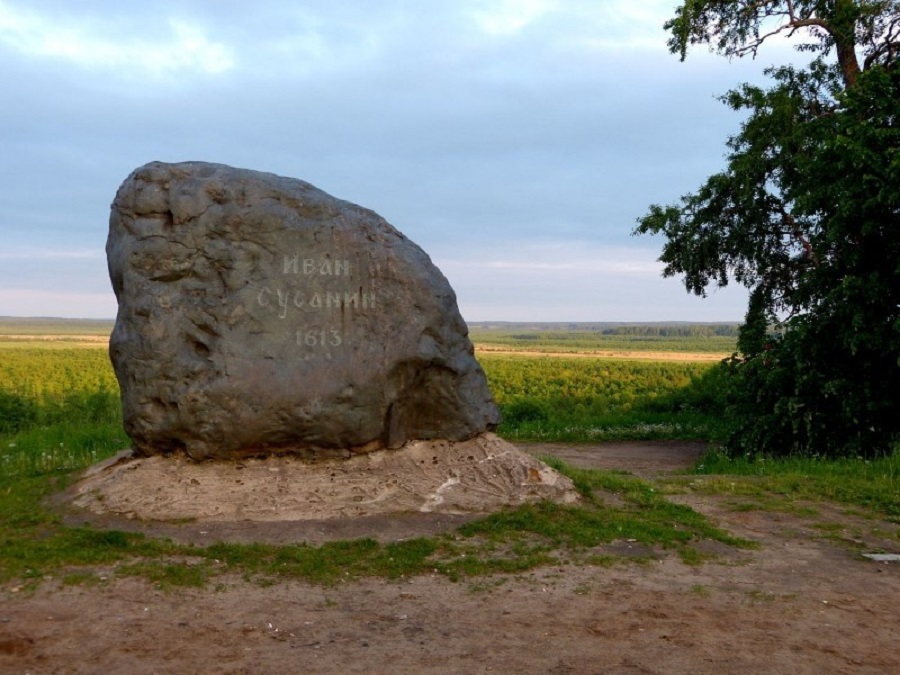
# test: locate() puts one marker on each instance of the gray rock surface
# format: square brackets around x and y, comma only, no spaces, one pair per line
[259,315]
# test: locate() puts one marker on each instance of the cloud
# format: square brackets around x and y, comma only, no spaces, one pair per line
[30,302]
[527,281]
[579,281]
[485,131]
[182,45]
[507,17]
[564,259]
[39,255]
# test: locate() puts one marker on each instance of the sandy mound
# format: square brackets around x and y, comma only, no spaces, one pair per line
[481,475]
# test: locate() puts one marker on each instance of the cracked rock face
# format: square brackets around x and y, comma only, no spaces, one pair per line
[259,315]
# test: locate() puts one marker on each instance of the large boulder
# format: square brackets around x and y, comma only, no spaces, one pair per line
[259,315]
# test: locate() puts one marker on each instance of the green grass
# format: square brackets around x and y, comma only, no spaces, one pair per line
[59,410]
[874,485]
[544,399]
[591,400]
[53,428]
[59,413]
[41,372]
[59,448]
[55,327]
[35,544]
[720,339]
[645,498]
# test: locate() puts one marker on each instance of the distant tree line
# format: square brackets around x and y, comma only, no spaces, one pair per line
[686,330]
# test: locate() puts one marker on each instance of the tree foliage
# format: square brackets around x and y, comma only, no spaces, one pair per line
[739,28]
[806,215]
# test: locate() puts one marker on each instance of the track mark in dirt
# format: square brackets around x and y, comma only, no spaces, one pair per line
[642,458]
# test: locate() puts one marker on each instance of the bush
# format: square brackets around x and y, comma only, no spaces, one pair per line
[517,412]
[705,394]
[16,412]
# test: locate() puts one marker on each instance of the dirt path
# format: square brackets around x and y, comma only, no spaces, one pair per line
[642,458]
[802,603]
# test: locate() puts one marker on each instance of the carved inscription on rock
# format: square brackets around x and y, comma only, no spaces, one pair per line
[313,296]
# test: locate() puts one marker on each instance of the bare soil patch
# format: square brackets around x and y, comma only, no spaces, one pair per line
[805,602]
[418,490]
[642,458]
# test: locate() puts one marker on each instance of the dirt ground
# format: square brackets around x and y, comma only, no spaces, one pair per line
[479,475]
[804,602]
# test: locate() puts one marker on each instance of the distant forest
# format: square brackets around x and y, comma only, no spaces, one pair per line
[689,330]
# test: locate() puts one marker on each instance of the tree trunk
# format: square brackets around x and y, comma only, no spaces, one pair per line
[846,53]
[843,30]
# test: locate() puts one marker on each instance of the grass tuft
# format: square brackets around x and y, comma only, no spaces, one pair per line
[872,484]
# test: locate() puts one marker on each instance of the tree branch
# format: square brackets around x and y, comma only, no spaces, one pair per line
[789,221]
[794,23]
[791,12]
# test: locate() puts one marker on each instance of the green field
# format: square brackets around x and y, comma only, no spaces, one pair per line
[714,339]
[604,337]
[59,413]
[578,399]
[56,401]
[59,409]
[59,397]
[38,326]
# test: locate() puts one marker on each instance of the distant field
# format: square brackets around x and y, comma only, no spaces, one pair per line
[645,341]
[16,331]
[701,342]
[628,354]
[566,398]
[60,410]
[10,325]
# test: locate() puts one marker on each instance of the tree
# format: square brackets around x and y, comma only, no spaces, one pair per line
[806,215]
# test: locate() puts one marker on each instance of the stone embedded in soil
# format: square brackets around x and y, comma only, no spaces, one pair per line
[259,315]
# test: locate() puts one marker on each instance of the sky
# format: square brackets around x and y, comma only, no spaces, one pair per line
[516,141]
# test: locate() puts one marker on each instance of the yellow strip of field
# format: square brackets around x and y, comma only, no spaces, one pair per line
[641,355]
[54,341]
[608,354]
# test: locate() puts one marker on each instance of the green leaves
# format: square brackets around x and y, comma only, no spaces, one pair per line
[806,215]
[736,28]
